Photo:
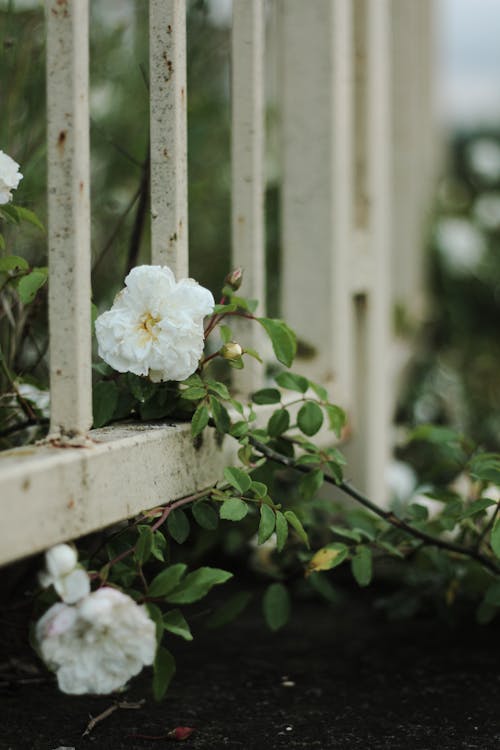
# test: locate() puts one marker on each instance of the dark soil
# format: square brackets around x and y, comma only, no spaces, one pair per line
[326,681]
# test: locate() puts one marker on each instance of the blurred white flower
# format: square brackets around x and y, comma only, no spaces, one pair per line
[155,326]
[401,479]
[69,580]
[97,645]
[38,397]
[460,244]
[487,210]
[10,177]
[483,156]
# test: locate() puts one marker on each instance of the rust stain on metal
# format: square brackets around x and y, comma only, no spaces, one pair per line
[169,65]
[71,503]
[81,186]
[26,484]
[62,140]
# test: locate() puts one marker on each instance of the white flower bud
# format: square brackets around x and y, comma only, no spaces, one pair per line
[61,559]
[71,582]
[231,350]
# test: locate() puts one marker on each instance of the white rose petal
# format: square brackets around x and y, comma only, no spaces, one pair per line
[10,177]
[97,645]
[69,580]
[73,586]
[155,326]
[61,559]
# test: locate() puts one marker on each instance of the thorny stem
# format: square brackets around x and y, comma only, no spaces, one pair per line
[167,510]
[387,516]
[206,360]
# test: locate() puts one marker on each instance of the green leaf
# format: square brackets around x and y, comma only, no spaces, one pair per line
[311,483]
[199,420]
[175,622]
[178,525]
[140,387]
[281,530]
[336,418]
[234,509]
[13,263]
[266,396]
[292,382]
[197,584]
[310,418]
[144,545]
[26,215]
[104,401]
[164,670]
[276,606]
[237,478]
[492,595]
[239,429]
[495,538]
[225,334]
[156,615]
[278,423]
[296,524]
[478,506]
[253,353]
[230,609]
[390,548]
[194,393]
[205,516]
[160,546]
[319,390]
[486,467]
[259,489]
[220,415]
[347,533]
[29,285]
[282,338]
[361,566]
[485,613]
[267,523]
[327,558]
[219,389]
[167,580]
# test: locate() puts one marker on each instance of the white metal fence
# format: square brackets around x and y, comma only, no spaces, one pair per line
[356,144]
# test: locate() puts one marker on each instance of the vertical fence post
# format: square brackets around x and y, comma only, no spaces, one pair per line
[317,185]
[371,281]
[69,215]
[247,153]
[168,108]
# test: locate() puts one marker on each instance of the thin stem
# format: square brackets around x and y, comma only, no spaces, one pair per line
[487,527]
[167,510]
[387,516]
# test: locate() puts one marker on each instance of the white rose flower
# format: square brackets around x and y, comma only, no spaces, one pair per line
[155,326]
[10,177]
[97,645]
[69,580]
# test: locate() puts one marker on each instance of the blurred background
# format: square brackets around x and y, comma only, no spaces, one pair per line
[452,377]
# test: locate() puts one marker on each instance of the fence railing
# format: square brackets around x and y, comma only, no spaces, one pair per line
[355,168]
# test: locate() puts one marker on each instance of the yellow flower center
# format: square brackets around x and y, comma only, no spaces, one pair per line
[146,327]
